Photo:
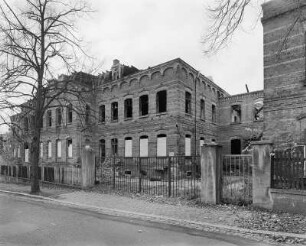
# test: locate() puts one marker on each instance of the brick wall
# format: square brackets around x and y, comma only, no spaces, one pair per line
[284,72]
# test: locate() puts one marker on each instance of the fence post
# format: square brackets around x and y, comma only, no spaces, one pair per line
[114,171]
[169,177]
[88,166]
[211,168]
[139,175]
[262,174]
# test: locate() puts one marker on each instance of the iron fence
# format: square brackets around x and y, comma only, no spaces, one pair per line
[65,175]
[237,179]
[288,169]
[177,176]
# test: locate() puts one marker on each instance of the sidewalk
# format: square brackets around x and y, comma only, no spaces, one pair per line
[225,219]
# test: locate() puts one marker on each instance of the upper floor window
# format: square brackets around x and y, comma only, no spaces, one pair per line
[161,101]
[128,108]
[58,116]
[187,102]
[202,109]
[87,114]
[102,113]
[26,152]
[26,123]
[144,105]
[236,113]
[49,118]
[41,150]
[49,150]
[114,111]
[69,113]
[213,113]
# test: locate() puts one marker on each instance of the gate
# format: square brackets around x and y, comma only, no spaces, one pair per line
[176,176]
[237,179]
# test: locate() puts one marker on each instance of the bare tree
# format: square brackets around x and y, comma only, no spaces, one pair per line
[226,18]
[38,40]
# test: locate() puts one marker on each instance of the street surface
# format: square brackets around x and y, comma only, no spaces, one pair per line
[27,222]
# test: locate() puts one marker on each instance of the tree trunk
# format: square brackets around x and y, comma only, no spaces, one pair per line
[35,189]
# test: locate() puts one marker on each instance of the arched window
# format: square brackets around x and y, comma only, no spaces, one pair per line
[69,148]
[162,145]
[102,150]
[49,149]
[144,146]
[128,147]
[161,101]
[114,143]
[187,102]
[188,145]
[26,152]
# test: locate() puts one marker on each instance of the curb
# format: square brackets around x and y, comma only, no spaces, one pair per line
[156,218]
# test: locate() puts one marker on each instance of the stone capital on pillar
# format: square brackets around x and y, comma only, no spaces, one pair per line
[262,174]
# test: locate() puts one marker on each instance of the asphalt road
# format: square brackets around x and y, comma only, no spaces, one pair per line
[27,222]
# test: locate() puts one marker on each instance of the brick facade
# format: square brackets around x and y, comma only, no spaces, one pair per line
[284,72]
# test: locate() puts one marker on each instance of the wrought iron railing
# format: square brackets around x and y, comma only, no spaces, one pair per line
[176,176]
[288,169]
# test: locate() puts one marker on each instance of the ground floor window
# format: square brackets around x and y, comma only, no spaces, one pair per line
[188,145]
[162,145]
[235,146]
[114,142]
[128,147]
[69,148]
[144,146]
[26,152]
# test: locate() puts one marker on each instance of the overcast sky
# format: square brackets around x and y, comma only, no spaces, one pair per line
[145,33]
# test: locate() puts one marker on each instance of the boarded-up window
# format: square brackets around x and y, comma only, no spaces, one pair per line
[41,150]
[59,148]
[144,146]
[162,145]
[49,149]
[144,105]
[202,141]
[26,152]
[69,148]
[187,145]
[18,152]
[128,147]
[161,101]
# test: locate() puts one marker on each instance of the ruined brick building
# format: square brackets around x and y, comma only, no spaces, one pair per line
[172,109]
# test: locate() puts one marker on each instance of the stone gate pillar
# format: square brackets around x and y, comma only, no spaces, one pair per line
[211,168]
[88,167]
[262,174]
